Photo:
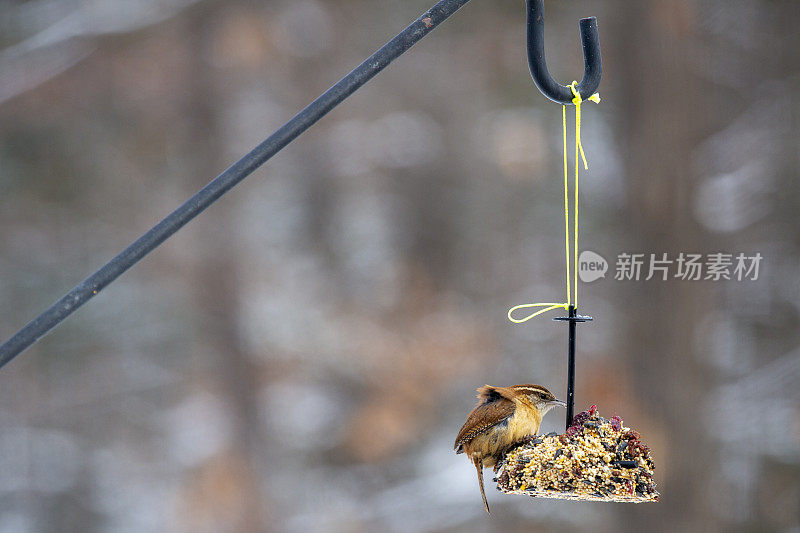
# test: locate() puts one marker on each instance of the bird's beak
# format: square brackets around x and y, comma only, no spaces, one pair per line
[559,403]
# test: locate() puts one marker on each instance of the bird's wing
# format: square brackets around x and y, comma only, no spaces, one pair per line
[484,416]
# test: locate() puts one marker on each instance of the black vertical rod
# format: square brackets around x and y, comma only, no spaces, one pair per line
[571,367]
[573,320]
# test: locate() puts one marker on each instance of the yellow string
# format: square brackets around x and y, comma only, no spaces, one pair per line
[566,201]
[577,100]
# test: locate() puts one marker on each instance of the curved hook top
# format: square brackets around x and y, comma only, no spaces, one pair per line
[593,63]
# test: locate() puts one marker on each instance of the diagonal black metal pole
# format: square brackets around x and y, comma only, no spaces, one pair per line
[237,172]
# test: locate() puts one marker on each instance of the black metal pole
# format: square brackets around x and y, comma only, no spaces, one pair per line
[237,172]
[573,318]
[571,368]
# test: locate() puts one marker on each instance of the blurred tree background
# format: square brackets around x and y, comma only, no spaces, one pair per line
[302,355]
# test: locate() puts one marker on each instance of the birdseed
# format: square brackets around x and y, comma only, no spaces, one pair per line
[593,460]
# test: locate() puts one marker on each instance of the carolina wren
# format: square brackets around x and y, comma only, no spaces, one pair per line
[503,417]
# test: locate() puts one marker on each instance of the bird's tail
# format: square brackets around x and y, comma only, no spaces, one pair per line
[479,468]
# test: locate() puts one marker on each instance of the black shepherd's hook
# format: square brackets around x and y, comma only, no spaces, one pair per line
[592,72]
[593,63]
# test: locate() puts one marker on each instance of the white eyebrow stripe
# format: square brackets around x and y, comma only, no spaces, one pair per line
[534,389]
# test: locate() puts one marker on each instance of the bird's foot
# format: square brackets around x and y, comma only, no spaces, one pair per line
[530,439]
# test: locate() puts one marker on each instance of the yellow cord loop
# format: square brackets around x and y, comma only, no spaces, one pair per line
[572,295]
[547,307]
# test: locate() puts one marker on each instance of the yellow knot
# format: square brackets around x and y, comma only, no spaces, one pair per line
[577,100]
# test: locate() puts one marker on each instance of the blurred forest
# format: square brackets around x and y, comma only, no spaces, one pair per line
[301,356]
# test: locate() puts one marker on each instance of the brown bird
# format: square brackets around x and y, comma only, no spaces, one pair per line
[504,416]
